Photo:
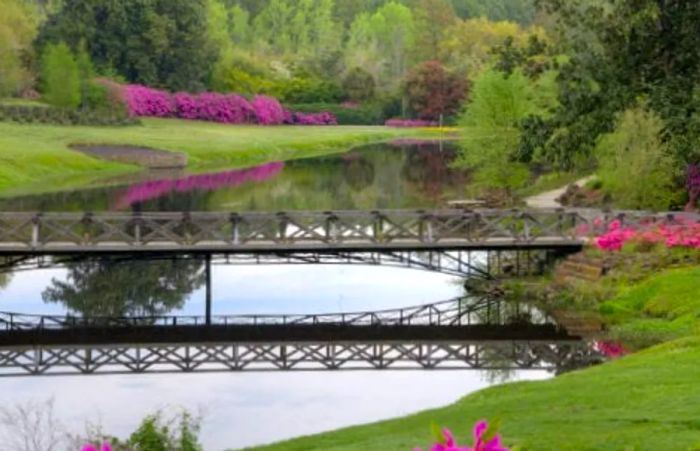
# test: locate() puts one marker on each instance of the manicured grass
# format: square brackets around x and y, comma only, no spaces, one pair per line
[647,401]
[665,306]
[37,158]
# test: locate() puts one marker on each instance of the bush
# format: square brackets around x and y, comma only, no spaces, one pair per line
[359,84]
[309,90]
[60,76]
[636,166]
[361,115]
[63,116]
[268,110]
[433,92]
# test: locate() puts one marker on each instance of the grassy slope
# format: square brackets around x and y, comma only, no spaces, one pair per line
[30,154]
[647,401]
[663,307]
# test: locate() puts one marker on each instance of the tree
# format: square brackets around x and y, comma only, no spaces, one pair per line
[161,43]
[433,92]
[114,288]
[18,25]
[60,76]
[433,19]
[620,52]
[359,84]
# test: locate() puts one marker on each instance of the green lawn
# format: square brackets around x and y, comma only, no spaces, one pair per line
[647,401]
[37,158]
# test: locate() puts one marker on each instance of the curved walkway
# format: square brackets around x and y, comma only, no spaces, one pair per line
[548,199]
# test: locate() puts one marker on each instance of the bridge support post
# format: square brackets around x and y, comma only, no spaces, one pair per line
[208,290]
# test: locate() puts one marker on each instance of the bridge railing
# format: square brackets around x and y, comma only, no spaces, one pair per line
[314,228]
[455,312]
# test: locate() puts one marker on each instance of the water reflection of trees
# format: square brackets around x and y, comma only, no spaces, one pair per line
[108,287]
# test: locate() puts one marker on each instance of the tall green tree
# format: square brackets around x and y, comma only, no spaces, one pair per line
[621,51]
[161,43]
[433,19]
[60,76]
[18,26]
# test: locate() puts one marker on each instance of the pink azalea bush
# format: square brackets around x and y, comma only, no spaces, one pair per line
[268,110]
[142,101]
[610,350]
[148,102]
[684,232]
[410,123]
[484,440]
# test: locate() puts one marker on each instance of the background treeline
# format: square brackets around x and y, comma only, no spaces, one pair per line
[322,52]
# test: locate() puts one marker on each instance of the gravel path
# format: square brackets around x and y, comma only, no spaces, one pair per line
[549,199]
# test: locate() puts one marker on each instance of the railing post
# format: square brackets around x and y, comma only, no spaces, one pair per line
[36,227]
[282,222]
[377,226]
[331,227]
[235,232]
[86,221]
[426,228]
[186,221]
[137,220]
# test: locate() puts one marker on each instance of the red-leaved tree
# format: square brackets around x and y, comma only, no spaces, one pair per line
[431,90]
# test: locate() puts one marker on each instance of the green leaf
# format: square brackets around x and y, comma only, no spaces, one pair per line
[494,427]
[437,433]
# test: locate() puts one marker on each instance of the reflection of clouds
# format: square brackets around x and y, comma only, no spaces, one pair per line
[247,409]
[274,289]
[204,182]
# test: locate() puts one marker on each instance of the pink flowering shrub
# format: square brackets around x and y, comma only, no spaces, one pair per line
[142,101]
[149,102]
[324,118]
[683,232]
[268,110]
[610,350]
[410,123]
[485,439]
[186,105]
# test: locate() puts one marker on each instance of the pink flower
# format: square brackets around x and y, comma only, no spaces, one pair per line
[105,447]
[480,441]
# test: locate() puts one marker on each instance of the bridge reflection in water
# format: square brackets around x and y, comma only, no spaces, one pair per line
[464,333]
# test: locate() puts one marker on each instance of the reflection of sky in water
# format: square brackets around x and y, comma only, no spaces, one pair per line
[274,289]
[254,408]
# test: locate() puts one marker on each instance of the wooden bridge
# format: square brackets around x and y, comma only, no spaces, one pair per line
[464,333]
[390,230]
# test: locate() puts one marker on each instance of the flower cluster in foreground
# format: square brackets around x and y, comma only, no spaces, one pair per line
[485,439]
[105,447]
[683,232]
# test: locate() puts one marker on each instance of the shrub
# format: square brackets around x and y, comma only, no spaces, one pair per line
[324,118]
[60,76]
[63,116]
[359,84]
[186,105]
[345,114]
[227,109]
[268,110]
[147,102]
[309,90]
[432,91]
[636,166]
[409,123]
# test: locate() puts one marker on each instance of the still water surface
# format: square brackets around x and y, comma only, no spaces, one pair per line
[247,409]
[392,176]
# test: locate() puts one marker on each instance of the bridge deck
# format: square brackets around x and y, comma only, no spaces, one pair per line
[310,231]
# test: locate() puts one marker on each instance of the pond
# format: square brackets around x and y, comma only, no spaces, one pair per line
[239,409]
[402,174]
[247,409]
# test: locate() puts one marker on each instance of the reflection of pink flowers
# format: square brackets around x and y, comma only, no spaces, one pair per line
[205,182]
[481,441]
[610,350]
